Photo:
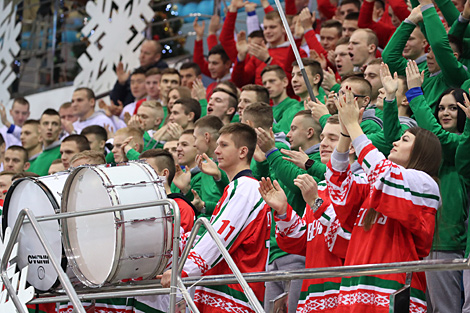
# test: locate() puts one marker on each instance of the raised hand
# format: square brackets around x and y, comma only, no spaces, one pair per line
[317,108]
[182,180]
[207,166]
[3,116]
[320,58]
[135,122]
[416,16]
[109,130]
[308,187]
[307,19]
[250,6]
[197,201]
[235,5]
[265,140]
[297,157]
[214,25]
[329,79]
[125,147]
[465,108]
[389,83]
[273,195]
[259,155]
[199,29]
[242,45]
[258,51]
[122,74]
[348,109]
[198,90]
[413,77]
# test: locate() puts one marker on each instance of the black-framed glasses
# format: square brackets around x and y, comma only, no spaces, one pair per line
[341,93]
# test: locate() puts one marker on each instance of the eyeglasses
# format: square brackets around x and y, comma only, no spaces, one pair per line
[341,93]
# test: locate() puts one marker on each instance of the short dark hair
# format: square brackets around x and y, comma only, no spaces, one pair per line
[356,3]
[96,156]
[210,122]
[171,70]
[232,99]
[31,122]
[50,112]
[89,93]
[333,24]
[139,70]
[164,159]
[352,16]
[21,100]
[458,94]
[80,140]
[194,66]
[260,113]
[313,66]
[153,71]
[190,105]
[362,81]
[96,130]
[456,44]
[262,93]
[257,34]
[218,49]
[20,149]
[245,136]
[274,68]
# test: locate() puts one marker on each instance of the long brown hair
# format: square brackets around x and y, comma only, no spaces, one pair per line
[425,156]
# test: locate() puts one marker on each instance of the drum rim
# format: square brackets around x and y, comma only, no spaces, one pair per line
[168,232]
[114,197]
[117,217]
[55,205]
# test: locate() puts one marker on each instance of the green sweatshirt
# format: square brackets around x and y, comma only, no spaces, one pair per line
[392,128]
[44,160]
[450,232]
[369,126]
[452,73]
[462,163]
[150,143]
[458,30]
[284,113]
[131,155]
[203,103]
[285,172]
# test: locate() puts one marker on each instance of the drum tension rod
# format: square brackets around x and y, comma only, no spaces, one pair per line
[151,219]
[137,184]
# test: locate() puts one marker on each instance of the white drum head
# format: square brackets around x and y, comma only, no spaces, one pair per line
[42,198]
[92,238]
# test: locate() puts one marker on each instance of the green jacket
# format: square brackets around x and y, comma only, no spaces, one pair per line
[462,163]
[392,128]
[284,113]
[44,160]
[285,172]
[450,232]
[150,143]
[370,124]
[452,73]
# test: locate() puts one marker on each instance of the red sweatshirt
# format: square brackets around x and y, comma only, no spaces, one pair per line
[382,29]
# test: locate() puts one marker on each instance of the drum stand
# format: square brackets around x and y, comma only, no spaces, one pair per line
[176,280]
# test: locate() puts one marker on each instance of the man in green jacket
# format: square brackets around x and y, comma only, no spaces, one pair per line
[49,128]
[443,69]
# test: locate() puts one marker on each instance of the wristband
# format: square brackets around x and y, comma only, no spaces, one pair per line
[344,135]
[268,60]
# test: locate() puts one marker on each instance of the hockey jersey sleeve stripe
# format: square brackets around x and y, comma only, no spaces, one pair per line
[408,190]
[250,219]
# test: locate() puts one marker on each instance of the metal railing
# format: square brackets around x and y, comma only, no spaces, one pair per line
[66,284]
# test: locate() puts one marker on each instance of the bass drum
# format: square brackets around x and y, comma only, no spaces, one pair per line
[110,247]
[42,196]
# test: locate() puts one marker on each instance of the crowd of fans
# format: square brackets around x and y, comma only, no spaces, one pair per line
[397,73]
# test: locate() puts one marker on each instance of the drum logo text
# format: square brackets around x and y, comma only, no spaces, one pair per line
[38,259]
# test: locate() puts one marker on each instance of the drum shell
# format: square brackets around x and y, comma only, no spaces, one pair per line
[126,244]
[42,196]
